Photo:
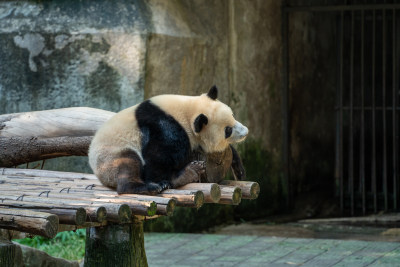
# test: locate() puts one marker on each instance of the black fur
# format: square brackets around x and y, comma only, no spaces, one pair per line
[199,122]
[165,144]
[237,165]
[213,93]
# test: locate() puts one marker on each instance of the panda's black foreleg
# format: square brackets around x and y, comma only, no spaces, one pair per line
[128,170]
[190,174]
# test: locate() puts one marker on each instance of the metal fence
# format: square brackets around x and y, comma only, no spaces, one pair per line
[367,111]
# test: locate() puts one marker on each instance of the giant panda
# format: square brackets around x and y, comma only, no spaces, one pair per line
[150,147]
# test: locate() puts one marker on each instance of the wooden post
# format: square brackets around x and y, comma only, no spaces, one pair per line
[10,253]
[115,245]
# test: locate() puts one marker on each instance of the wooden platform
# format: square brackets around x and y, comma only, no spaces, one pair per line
[43,202]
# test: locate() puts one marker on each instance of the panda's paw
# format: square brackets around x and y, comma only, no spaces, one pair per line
[153,188]
[164,185]
[198,166]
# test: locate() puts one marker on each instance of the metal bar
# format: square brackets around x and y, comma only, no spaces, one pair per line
[285,103]
[362,139]
[351,140]
[394,156]
[369,108]
[341,182]
[341,8]
[373,165]
[384,156]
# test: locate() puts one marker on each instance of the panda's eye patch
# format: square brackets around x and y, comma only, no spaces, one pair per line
[228,131]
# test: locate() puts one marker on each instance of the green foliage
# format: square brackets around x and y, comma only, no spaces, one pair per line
[68,245]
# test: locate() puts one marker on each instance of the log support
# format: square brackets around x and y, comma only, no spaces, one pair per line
[10,254]
[115,245]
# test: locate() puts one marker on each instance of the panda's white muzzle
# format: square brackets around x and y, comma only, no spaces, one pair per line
[239,132]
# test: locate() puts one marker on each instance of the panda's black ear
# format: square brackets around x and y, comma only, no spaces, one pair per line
[199,122]
[213,93]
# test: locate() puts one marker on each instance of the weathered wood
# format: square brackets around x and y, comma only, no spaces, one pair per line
[115,245]
[250,190]
[185,198]
[118,213]
[166,210]
[38,223]
[230,195]
[138,207]
[10,254]
[32,136]
[96,214]
[46,173]
[211,191]
[18,150]
[66,214]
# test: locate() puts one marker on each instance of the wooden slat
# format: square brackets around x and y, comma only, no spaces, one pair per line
[37,223]
[250,190]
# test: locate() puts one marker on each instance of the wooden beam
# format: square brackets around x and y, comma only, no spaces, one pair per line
[250,190]
[66,214]
[32,136]
[37,223]
[185,198]
[230,195]
[211,191]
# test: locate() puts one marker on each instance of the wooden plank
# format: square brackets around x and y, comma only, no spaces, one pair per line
[37,223]
[230,195]
[250,190]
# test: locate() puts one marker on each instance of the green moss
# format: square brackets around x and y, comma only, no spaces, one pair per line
[265,168]
[191,220]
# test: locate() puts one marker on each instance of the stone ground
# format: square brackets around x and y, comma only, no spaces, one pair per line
[230,249]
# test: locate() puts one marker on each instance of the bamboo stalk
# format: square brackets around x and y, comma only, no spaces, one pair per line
[211,191]
[37,223]
[250,190]
[185,198]
[230,195]
[66,215]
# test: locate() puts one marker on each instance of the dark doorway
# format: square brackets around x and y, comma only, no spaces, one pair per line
[366,169]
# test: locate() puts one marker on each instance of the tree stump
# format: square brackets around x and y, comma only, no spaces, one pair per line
[115,245]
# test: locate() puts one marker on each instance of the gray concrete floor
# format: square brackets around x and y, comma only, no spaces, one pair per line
[253,250]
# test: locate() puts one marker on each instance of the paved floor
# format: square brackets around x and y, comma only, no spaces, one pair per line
[225,250]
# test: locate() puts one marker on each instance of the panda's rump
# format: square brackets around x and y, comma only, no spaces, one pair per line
[165,144]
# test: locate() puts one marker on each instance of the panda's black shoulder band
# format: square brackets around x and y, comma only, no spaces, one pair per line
[213,93]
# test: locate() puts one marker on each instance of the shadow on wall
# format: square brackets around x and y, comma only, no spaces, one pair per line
[260,167]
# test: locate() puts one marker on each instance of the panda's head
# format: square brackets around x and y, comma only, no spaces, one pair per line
[214,125]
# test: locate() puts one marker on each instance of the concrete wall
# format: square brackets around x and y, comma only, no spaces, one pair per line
[114,54]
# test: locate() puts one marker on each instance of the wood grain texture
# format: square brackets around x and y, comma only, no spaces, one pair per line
[250,190]
[37,223]
[39,135]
